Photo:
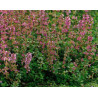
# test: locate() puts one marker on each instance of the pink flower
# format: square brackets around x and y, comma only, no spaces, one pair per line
[79,38]
[89,57]
[41,43]
[23,55]
[64,30]
[73,17]
[86,53]
[13,58]
[24,24]
[96,54]
[89,65]
[68,22]
[82,59]
[92,53]
[90,38]
[67,12]
[86,10]
[73,68]
[28,60]
[75,64]
[54,25]
[82,33]
[88,47]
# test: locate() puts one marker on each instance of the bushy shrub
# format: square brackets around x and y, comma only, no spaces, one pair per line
[41,48]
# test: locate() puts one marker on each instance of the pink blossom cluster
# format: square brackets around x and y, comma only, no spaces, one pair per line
[7,56]
[28,59]
[86,22]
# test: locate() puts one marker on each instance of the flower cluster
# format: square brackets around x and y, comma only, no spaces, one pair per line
[27,60]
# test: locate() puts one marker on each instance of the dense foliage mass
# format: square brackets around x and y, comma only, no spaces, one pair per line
[48,48]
